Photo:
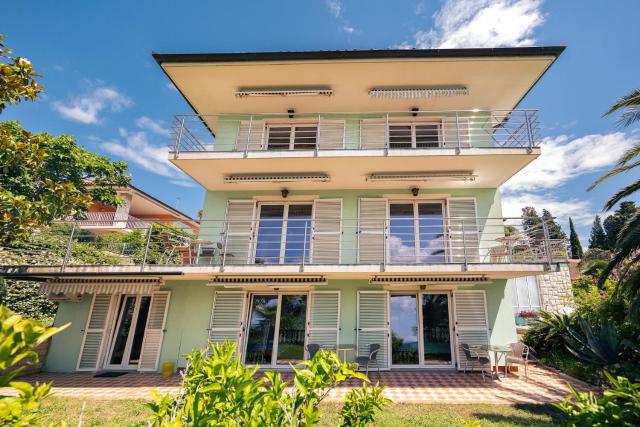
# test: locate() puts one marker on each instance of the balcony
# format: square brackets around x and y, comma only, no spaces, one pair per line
[348,148]
[109,221]
[462,246]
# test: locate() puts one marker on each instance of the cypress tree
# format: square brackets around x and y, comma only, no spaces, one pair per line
[598,239]
[555,230]
[576,247]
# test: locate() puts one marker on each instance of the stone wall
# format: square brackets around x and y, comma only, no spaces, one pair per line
[555,290]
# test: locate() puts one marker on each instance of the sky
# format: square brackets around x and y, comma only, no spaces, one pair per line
[103,87]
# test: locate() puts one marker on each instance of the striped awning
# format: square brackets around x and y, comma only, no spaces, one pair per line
[239,281]
[429,280]
[100,286]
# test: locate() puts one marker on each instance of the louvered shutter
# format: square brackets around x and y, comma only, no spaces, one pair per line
[227,317]
[464,241]
[95,332]
[327,231]
[331,134]
[471,323]
[372,215]
[450,132]
[373,324]
[373,133]
[239,229]
[324,322]
[251,135]
[154,331]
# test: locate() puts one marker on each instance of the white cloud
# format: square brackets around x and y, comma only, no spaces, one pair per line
[481,23]
[580,211]
[563,158]
[348,29]
[155,126]
[419,10]
[136,148]
[87,108]
[335,7]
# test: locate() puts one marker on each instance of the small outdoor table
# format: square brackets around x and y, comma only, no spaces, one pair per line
[499,352]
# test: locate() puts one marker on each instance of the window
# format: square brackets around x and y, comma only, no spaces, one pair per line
[416,232]
[414,135]
[525,294]
[284,233]
[292,137]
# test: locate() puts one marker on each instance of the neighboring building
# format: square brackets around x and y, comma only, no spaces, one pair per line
[352,199]
[130,215]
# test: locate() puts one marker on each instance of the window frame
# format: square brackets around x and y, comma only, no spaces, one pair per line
[292,135]
[438,123]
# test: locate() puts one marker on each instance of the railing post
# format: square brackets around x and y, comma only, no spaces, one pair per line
[67,251]
[146,247]
[224,246]
[246,148]
[459,145]
[384,245]
[464,246]
[179,139]
[317,137]
[547,249]
[527,119]
[386,135]
[304,244]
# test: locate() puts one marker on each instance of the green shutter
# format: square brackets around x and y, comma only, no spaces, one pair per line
[471,322]
[373,324]
[324,322]
[227,317]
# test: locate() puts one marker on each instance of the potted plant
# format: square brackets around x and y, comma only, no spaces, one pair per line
[523,317]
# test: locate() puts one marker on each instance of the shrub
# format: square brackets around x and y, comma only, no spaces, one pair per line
[220,390]
[620,405]
[548,330]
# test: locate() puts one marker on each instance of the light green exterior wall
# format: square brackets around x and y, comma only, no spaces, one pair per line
[65,346]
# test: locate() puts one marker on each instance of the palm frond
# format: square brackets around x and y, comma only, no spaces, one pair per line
[632,152]
[621,194]
[630,99]
[618,170]
[629,117]
[628,242]
[622,165]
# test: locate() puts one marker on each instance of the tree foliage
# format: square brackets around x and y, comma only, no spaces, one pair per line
[18,338]
[574,241]
[220,390]
[613,224]
[554,229]
[46,177]
[598,238]
[17,78]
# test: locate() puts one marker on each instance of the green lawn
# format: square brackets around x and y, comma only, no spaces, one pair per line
[134,413]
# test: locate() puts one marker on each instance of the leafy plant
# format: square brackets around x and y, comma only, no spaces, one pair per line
[547,330]
[18,338]
[619,405]
[17,78]
[218,389]
[595,345]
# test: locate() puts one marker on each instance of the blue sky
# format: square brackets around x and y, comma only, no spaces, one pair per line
[103,87]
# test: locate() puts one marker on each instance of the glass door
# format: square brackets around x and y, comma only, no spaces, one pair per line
[283,233]
[126,342]
[404,330]
[276,315]
[416,232]
[436,330]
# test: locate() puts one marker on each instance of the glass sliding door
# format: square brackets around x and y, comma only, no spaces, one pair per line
[276,315]
[126,342]
[436,329]
[431,232]
[416,232]
[402,233]
[283,233]
[291,334]
[404,330]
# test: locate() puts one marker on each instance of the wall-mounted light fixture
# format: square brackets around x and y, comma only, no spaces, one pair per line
[291,111]
[284,193]
[418,92]
[415,191]
[415,111]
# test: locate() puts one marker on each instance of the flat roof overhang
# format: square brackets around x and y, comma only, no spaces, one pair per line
[349,169]
[342,271]
[496,78]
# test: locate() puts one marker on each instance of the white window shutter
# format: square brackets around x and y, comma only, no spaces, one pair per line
[324,322]
[372,214]
[95,332]
[471,323]
[154,331]
[373,324]
[227,317]
[239,231]
[464,239]
[326,231]
[251,135]
[450,132]
[331,134]
[373,133]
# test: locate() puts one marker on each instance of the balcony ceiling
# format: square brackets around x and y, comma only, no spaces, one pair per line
[348,169]
[493,82]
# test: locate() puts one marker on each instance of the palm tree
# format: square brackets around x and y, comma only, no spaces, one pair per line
[627,247]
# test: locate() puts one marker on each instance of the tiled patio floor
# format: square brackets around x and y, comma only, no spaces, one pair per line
[542,386]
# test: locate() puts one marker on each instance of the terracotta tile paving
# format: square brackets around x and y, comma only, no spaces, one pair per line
[542,386]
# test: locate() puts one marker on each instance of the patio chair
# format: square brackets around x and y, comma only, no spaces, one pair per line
[222,252]
[372,358]
[478,358]
[520,356]
[312,349]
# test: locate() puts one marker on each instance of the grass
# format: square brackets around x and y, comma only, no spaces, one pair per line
[134,413]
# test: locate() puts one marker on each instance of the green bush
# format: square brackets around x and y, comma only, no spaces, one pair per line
[218,389]
[619,405]
[548,330]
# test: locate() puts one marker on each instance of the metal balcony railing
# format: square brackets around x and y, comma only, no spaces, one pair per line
[299,241]
[109,220]
[388,131]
